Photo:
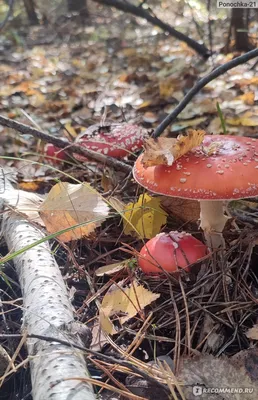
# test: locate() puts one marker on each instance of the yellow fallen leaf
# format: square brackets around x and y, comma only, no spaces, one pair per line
[67,205]
[129,51]
[166,150]
[122,303]
[145,217]
[69,128]
[252,333]
[167,87]
[248,98]
[145,104]
[244,121]
[37,100]
[186,123]
[247,81]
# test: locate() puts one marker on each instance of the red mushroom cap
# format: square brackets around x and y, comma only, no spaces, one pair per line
[223,168]
[54,154]
[115,140]
[170,251]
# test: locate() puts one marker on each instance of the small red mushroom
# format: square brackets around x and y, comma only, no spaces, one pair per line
[171,252]
[54,154]
[114,140]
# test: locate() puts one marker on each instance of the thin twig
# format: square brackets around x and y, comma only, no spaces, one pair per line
[142,13]
[96,354]
[199,85]
[65,144]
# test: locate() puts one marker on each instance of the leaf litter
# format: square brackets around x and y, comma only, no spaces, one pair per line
[67,88]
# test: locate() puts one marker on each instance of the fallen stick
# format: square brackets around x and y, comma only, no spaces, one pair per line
[65,144]
[199,85]
[46,311]
[152,19]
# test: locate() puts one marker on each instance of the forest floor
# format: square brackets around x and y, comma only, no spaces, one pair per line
[63,79]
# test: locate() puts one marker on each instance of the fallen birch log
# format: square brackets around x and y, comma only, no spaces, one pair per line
[47,309]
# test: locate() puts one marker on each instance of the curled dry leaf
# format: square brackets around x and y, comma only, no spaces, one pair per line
[122,303]
[67,205]
[164,151]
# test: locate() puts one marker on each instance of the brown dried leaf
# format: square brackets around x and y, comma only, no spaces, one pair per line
[164,151]
[67,205]
[206,372]
[252,333]
[247,359]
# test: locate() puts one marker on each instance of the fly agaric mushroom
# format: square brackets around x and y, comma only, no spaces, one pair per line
[171,252]
[114,140]
[222,168]
[54,154]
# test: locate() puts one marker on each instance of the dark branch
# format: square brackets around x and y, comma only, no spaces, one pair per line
[8,15]
[140,12]
[65,144]
[199,85]
[100,356]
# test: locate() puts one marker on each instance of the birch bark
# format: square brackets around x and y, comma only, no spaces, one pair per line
[47,310]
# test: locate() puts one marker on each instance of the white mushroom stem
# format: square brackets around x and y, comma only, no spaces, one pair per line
[213,221]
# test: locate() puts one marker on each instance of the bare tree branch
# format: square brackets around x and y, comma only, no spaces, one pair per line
[199,85]
[65,144]
[8,15]
[140,12]
[98,355]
